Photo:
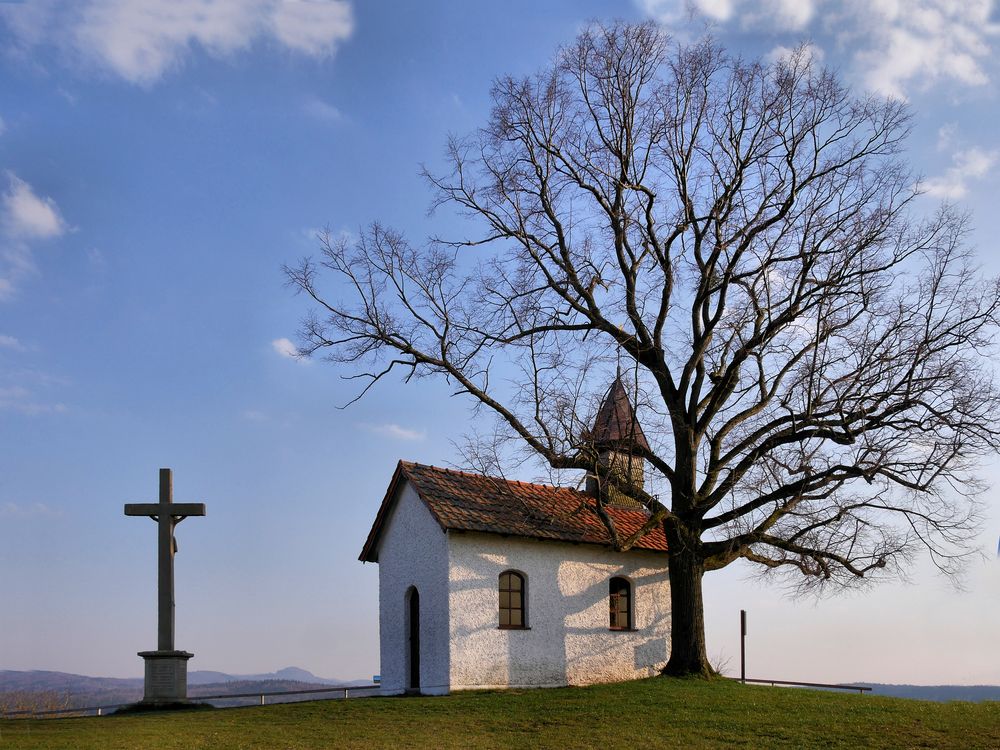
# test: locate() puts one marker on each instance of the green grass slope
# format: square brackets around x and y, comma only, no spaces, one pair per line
[644,714]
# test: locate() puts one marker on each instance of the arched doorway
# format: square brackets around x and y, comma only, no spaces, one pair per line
[413,639]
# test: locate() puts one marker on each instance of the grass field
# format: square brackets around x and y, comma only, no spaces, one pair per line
[648,713]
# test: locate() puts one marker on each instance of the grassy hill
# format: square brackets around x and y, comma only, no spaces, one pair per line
[647,713]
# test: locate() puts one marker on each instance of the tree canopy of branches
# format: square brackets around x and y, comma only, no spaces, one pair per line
[808,350]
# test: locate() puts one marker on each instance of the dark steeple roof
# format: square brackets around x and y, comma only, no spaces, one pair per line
[616,427]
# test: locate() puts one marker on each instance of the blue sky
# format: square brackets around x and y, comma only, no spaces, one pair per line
[160,161]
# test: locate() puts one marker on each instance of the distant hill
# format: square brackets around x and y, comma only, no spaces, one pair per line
[940,693]
[202,677]
[81,690]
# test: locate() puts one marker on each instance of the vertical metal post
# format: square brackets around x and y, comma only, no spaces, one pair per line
[262,700]
[743,646]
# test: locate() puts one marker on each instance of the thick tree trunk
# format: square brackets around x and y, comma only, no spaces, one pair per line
[687,632]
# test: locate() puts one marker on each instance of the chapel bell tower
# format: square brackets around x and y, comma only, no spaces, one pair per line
[617,438]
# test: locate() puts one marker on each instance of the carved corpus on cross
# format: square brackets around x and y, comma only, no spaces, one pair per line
[166,669]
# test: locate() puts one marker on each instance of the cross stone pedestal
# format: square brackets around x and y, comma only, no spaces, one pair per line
[166,676]
[166,668]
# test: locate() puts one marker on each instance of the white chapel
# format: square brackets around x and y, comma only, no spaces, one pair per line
[490,583]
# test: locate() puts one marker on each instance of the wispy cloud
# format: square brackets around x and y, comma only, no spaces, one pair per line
[923,42]
[968,165]
[25,218]
[322,110]
[947,135]
[287,348]
[96,258]
[20,399]
[28,215]
[782,53]
[28,510]
[895,47]
[68,95]
[10,342]
[142,41]
[396,432]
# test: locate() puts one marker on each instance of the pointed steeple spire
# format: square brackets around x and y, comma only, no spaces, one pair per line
[616,437]
[616,427]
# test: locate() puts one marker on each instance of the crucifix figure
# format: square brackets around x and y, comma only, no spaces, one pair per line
[166,668]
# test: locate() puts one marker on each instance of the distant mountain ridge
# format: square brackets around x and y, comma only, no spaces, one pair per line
[201,677]
[938,693]
[84,690]
[39,679]
[107,690]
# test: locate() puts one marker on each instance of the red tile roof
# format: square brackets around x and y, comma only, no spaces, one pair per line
[472,502]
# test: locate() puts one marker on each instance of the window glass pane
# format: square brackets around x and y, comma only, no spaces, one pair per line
[505,599]
[620,590]
[505,581]
[505,617]
[515,617]
[515,582]
[515,599]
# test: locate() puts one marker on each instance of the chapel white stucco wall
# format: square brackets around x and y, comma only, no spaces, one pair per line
[568,641]
[413,551]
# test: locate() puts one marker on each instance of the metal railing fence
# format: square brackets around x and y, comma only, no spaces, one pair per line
[344,690]
[860,688]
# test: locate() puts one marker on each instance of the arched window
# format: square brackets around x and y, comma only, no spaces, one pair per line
[512,600]
[620,599]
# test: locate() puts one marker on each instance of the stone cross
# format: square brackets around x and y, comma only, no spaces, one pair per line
[166,669]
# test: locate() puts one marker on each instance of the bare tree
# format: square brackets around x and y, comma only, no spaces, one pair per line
[807,350]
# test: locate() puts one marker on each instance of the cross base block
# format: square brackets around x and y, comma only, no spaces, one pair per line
[166,676]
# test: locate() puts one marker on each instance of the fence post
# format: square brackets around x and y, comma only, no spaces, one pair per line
[743,646]
[262,699]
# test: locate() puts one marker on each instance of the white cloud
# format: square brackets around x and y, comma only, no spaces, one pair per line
[666,12]
[321,110]
[793,14]
[967,165]
[895,46]
[29,510]
[10,342]
[720,10]
[286,348]
[141,41]
[946,136]
[778,15]
[29,215]
[775,15]
[781,53]
[25,218]
[20,399]
[922,43]
[312,27]
[394,431]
